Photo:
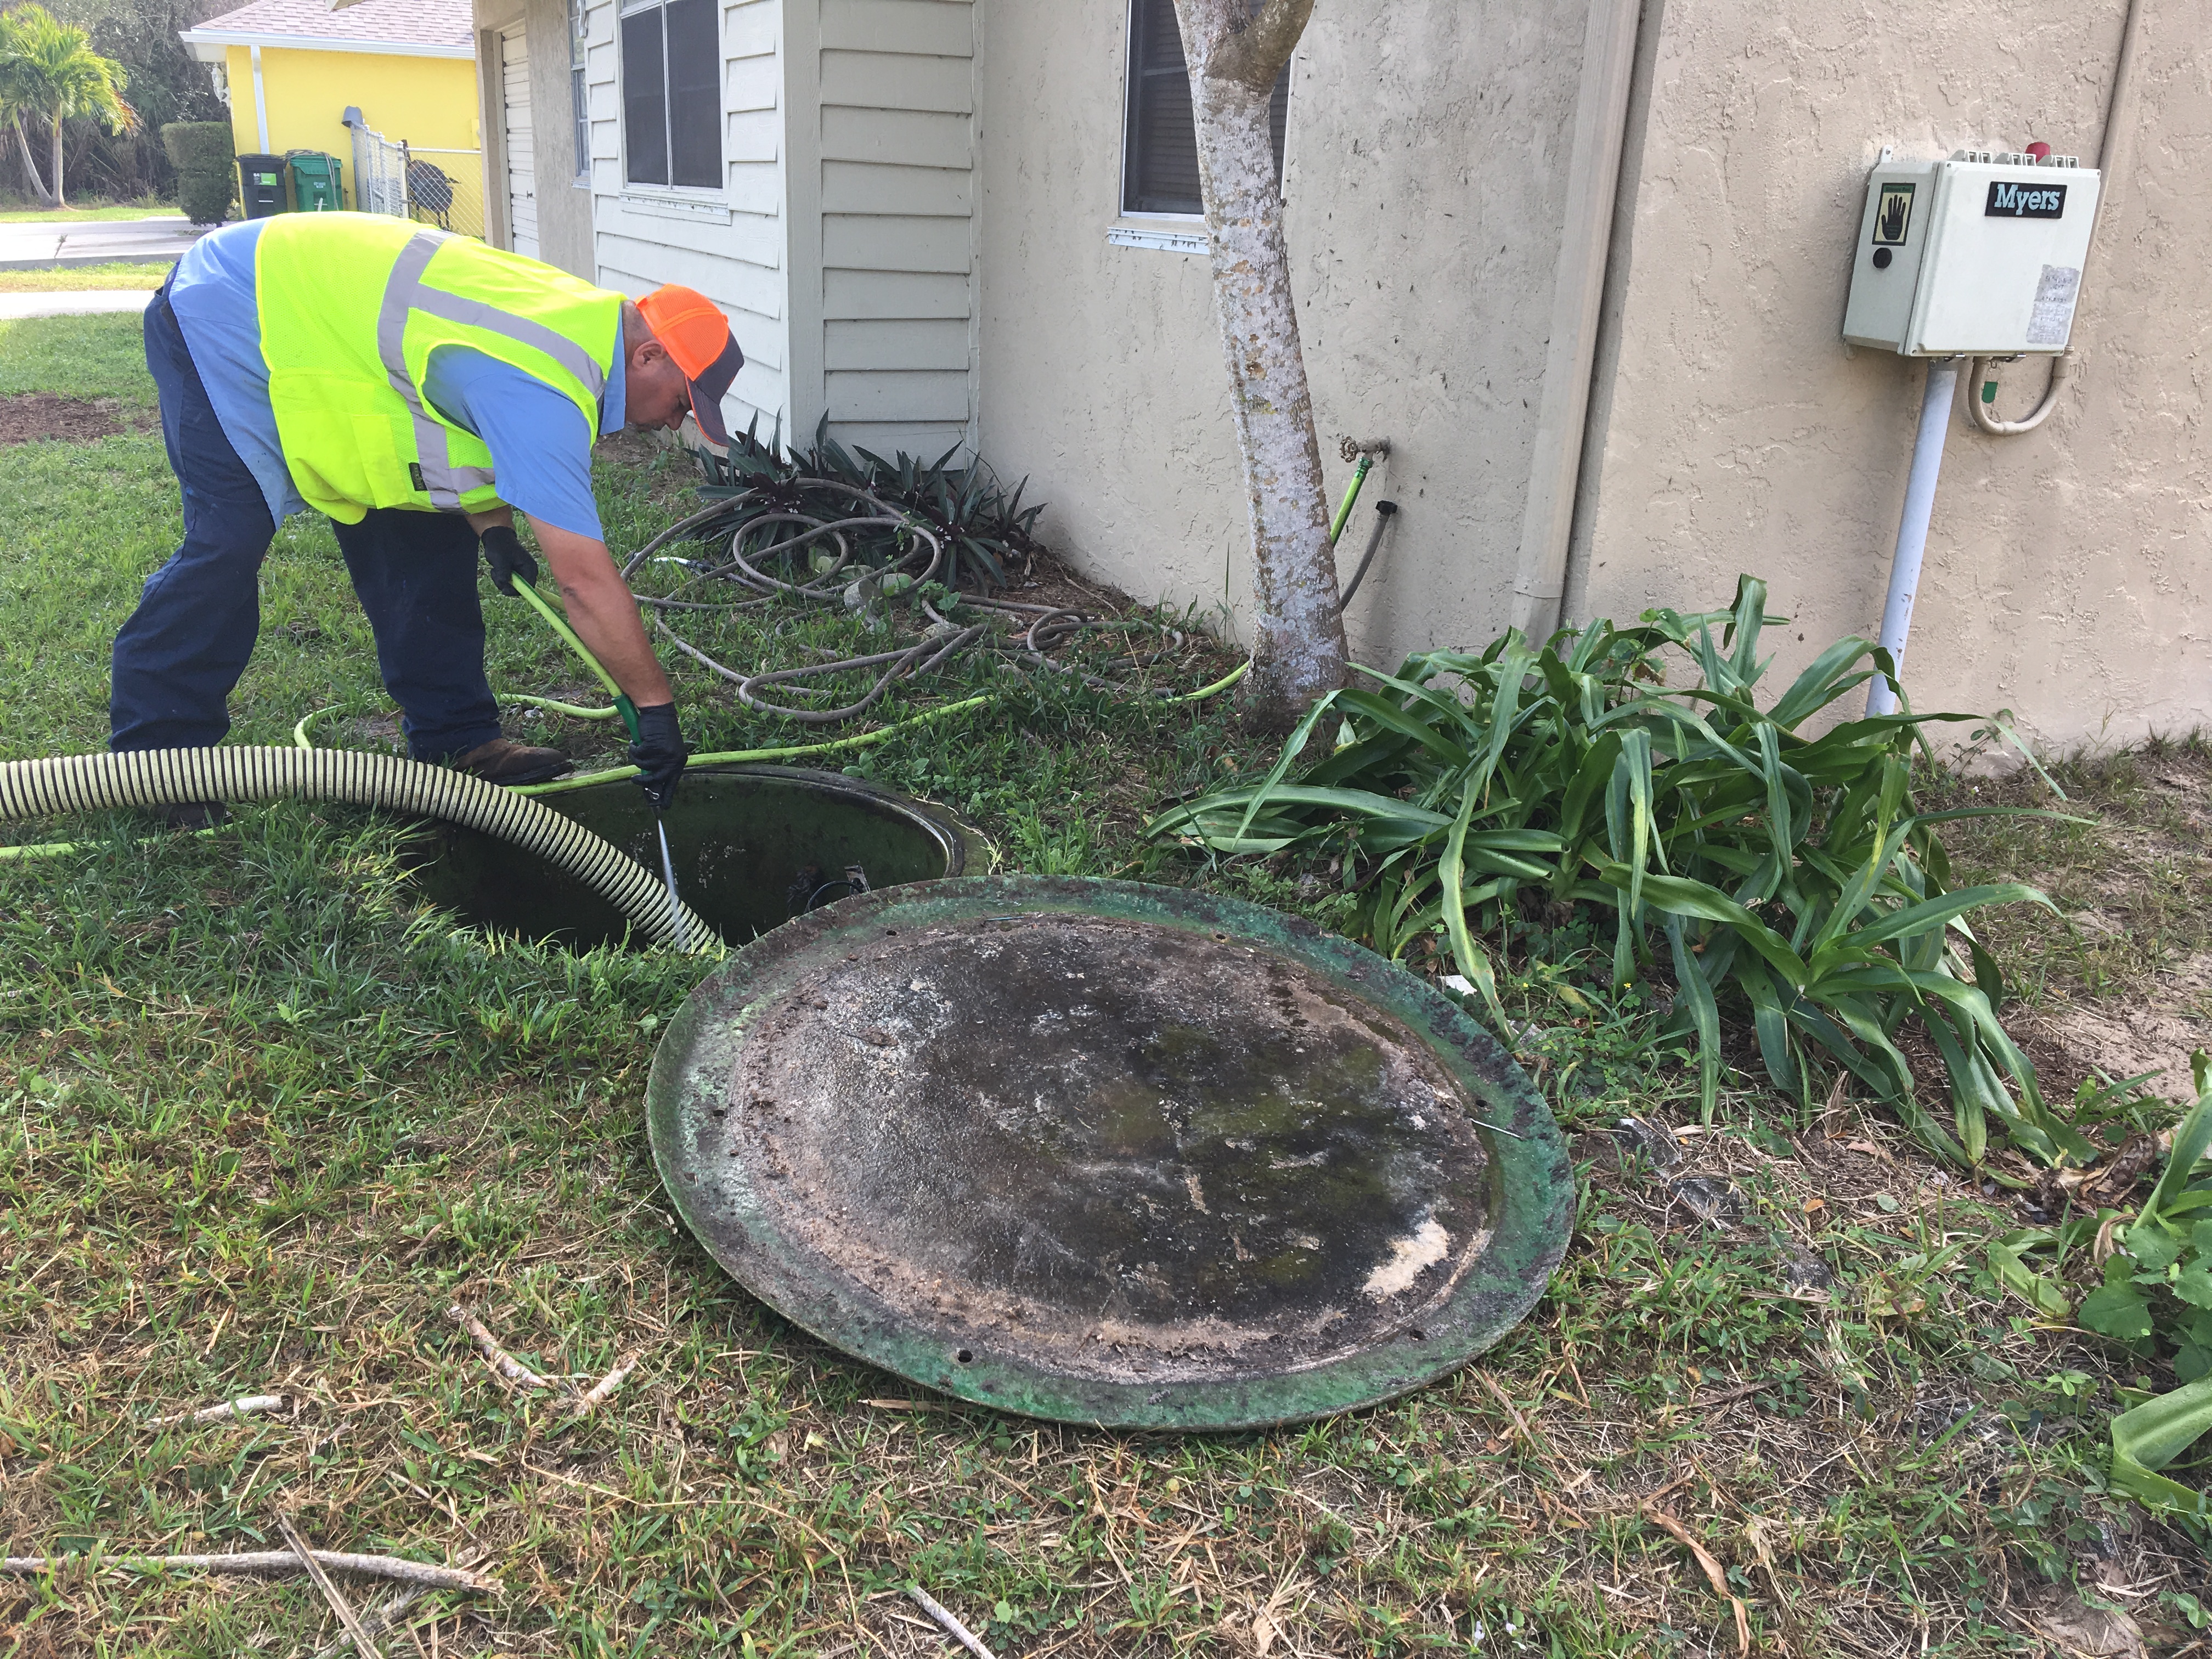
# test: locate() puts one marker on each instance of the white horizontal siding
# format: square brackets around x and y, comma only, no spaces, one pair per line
[737,252]
[852,242]
[886,395]
[921,28]
[904,343]
[897,153]
[894,294]
[887,80]
[866,187]
[912,138]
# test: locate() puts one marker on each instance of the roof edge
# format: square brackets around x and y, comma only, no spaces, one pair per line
[320,43]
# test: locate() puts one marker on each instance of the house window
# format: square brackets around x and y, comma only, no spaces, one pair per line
[580,100]
[1159,141]
[672,87]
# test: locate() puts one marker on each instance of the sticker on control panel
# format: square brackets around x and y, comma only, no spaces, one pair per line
[2011,200]
[2052,319]
[1892,215]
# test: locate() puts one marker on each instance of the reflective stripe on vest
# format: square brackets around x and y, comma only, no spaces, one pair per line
[315,353]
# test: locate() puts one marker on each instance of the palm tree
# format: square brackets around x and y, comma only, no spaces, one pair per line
[49,72]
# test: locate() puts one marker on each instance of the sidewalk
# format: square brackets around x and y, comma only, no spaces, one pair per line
[87,302]
[56,247]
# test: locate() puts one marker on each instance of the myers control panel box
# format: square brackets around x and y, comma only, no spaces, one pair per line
[1980,255]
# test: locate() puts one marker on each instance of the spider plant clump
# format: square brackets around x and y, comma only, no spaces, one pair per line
[986,531]
[1783,875]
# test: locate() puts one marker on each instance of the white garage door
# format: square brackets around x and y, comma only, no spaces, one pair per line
[521,170]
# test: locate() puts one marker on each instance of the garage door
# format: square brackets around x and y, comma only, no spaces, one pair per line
[521,169]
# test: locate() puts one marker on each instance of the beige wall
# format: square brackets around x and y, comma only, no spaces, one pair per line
[2069,571]
[1427,166]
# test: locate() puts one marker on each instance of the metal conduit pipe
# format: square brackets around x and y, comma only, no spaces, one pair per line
[168,777]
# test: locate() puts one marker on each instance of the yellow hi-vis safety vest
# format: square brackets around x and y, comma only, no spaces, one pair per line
[353,304]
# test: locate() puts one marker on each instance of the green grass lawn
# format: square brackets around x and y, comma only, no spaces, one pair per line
[115,274]
[99,210]
[262,1117]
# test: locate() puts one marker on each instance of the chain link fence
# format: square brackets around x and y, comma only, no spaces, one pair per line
[440,187]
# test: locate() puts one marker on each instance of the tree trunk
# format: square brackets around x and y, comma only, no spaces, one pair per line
[46,198]
[55,171]
[1237,50]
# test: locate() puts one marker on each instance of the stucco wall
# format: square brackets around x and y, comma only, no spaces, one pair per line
[2070,572]
[430,102]
[1427,161]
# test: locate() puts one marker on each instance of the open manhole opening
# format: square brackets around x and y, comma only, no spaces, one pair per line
[752,846]
[1110,1154]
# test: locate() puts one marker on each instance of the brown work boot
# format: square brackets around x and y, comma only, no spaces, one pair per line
[503,761]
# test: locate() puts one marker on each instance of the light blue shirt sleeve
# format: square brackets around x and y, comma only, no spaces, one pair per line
[541,447]
[212,293]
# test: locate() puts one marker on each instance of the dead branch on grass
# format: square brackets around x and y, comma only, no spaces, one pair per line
[958,1631]
[363,1643]
[603,1390]
[262,1561]
[498,1357]
[250,1405]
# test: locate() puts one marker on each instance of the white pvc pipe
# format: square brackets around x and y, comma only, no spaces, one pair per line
[1913,528]
[260,99]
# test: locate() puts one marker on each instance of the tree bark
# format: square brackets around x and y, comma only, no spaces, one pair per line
[46,198]
[55,171]
[1237,50]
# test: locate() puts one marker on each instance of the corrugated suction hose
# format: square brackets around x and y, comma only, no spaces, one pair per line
[163,777]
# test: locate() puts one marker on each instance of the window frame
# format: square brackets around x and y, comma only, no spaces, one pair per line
[646,188]
[1131,78]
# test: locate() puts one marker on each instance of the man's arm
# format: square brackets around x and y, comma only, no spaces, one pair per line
[603,613]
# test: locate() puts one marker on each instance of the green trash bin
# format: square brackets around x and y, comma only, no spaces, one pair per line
[316,186]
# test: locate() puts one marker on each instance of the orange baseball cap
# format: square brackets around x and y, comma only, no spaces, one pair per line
[698,338]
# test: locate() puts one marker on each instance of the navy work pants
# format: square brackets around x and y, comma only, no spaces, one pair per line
[184,648]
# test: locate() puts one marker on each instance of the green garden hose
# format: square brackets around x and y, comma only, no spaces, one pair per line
[164,777]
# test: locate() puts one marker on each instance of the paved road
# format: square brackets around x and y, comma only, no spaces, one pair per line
[94,241]
[85,302]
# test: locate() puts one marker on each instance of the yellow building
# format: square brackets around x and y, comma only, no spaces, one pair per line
[386,86]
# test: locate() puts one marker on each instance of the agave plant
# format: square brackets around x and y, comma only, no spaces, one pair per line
[1784,873]
[984,530]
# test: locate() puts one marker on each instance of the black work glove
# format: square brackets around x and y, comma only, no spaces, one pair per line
[504,552]
[658,754]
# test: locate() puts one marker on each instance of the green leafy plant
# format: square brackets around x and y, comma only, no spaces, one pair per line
[1479,795]
[2154,1294]
[986,531]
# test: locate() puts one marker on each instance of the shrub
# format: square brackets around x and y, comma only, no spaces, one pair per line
[207,168]
[1791,875]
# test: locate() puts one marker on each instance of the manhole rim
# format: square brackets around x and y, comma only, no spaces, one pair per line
[1530,1173]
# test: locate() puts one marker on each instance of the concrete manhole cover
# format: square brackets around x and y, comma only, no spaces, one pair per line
[1108,1153]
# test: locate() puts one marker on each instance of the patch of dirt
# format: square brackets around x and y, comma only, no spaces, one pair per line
[2124,1037]
[36,415]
